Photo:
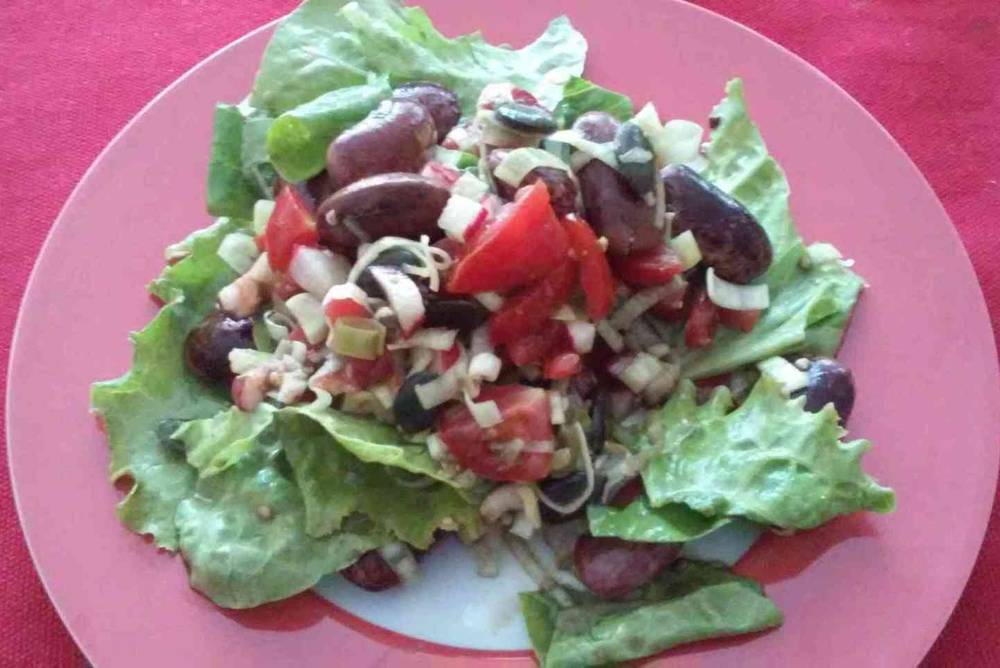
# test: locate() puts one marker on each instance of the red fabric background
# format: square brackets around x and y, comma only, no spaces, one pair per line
[74,73]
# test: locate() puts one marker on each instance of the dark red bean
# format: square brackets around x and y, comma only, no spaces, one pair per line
[206,349]
[392,138]
[830,382]
[562,188]
[371,572]
[613,568]
[440,103]
[597,126]
[615,211]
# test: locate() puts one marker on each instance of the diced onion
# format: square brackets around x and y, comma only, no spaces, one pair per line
[346,291]
[520,161]
[638,371]
[442,389]
[468,185]
[660,218]
[479,340]
[239,251]
[278,325]
[241,297]
[662,385]
[603,152]
[317,270]
[787,375]
[308,312]
[575,434]
[432,338]
[459,214]
[435,259]
[260,272]
[638,304]
[361,338]
[262,210]
[557,408]
[400,560]
[736,297]
[491,300]
[648,121]
[565,313]
[403,295]
[820,253]
[485,366]
[582,333]
[681,140]
[610,336]
[686,247]
[242,360]
[485,413]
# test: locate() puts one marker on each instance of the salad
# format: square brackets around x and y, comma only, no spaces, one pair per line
[455,289]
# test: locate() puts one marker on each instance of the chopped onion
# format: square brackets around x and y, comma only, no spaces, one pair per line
[459,214]
[494,133]
[641,335]
[278,325]
[603,152]
[400,560]
[485,413]
[565,313]
[241,297]
[787,375]
[346,291]
[681,140]
[660,218]
[262,210]
[519,162]
[261,272]
[385,395]
[491,300]
[470,186]
[820,253]
[610,336]
[484,552]
[435,259]
[636,372]
[578,438]
[317,270]
[485,366]
[442,389]
[736,297]
[686,247]
[648,121]
[661,349]
[421,358]
[557,408]
[662,385]
[582,333]
[239,251]
[479,340]
[403,295]
[308,312]
[433,338]
[242,360]
[360,338]
[638,304]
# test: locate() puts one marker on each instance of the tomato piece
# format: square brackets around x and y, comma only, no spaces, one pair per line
[743,321]
[343,308]
[291,224]
[563,365]
[595,272]
[523,244]
[550,338]
[357,374]
[526,416]
[702,321]
[532,307]
[644,269]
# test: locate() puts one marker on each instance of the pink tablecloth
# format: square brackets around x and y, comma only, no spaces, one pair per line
[74,73]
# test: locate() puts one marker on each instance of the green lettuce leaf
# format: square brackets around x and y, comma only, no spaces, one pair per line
[325,45]
[298,139]
[580,96]
[214,444]
[639,521]
[229,191]
[335,484]
[242,534]
[768,460]
[809,307]
[689,602]
[141,409]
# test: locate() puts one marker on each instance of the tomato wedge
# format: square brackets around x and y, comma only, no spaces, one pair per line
[494,453]
[743,321]
[523,244]
[291,224]
[550,338]
[563,365]
[528,310]
[702,321]
[595,272]
[644,269]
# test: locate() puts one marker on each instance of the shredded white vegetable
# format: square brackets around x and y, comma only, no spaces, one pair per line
[734,296]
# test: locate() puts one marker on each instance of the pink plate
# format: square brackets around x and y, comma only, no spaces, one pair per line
[866,590]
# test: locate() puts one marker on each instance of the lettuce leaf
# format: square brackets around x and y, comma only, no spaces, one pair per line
[141,409]
[689,602]
[298,139]
[639,521]
[242,534]
[335,484]
[214,444]
[768,460]
[580,96]
[229,191]
[809,307]
[325,45]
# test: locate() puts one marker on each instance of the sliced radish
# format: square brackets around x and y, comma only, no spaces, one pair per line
[308,312]
[403,296]
[317,270]
[459,214]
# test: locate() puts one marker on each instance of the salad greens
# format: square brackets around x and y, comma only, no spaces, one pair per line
[690,601]
[767,460]
[263,504]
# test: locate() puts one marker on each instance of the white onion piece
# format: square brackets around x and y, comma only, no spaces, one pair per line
[400,560]
[648,121]
[346,291]
[403,295]
[662,385]
[428,255]
[278,325]
[479,341]
[241,297]
[491,300]
[485,366]
[470,186]
[308,313]
[442,389]
[736,297]
[682,140]
[603,152]
[578,438]
[557,408]
[432,338]
[565,313]
[638,304]
[686,247]
[519,162]
[262,210]
[239,251]
[636,372]
[459,214]
[787,375]
[242,360]
[316,270]
[610,336]
[582,333]
[485,413]
[820,253]
[261,272]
